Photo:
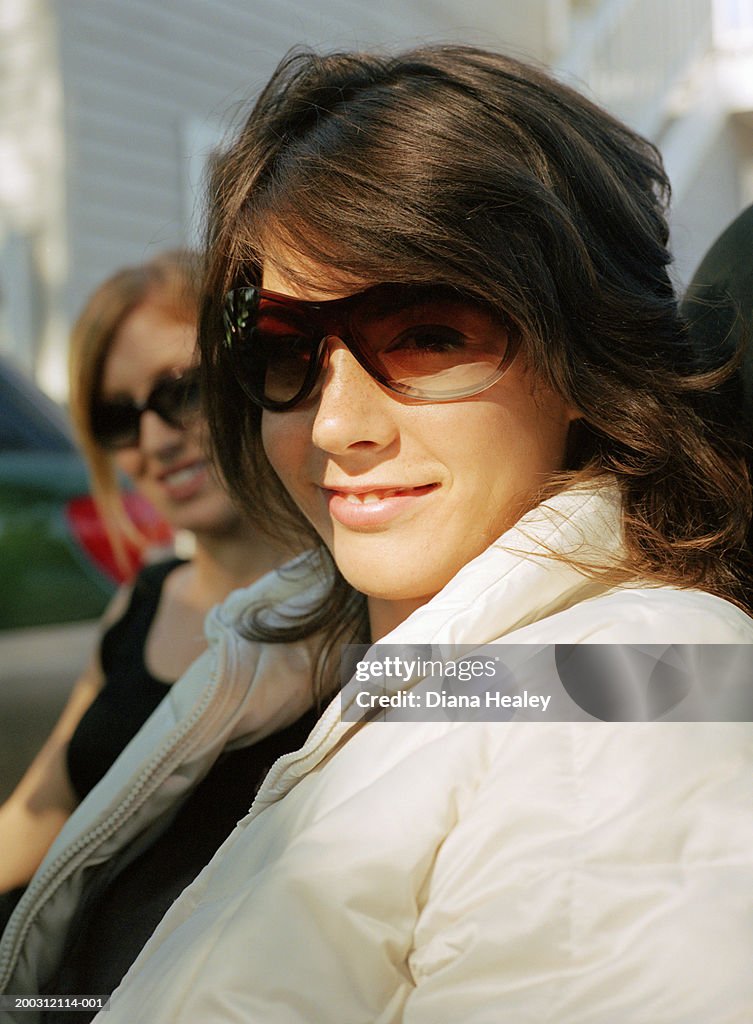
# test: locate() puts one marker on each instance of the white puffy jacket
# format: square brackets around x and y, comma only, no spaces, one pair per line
[443,872]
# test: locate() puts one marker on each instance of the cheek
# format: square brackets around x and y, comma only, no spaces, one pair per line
[511,440]
[285,440]
[554,421]
[128,462]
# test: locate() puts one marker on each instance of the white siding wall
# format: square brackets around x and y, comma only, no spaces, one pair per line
[32,214]
[142,78]
[146,84]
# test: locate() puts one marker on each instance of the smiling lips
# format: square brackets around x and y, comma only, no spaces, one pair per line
[359,508]
[185,481]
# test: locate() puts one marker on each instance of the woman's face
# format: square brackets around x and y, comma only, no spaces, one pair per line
[168,465]
[405,493]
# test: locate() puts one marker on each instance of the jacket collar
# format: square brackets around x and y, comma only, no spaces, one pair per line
[526,575]
[529,573]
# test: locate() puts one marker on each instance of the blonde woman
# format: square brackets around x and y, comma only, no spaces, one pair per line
[135,405]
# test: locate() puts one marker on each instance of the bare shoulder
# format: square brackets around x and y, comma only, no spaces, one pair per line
[117,607]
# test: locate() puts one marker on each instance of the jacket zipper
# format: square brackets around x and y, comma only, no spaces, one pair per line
[45,885]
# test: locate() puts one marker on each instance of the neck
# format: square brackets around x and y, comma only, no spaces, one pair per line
[384,616]
[222,563]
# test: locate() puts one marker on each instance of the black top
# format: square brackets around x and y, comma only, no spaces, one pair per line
[125,900]
[123,907]
[130,692]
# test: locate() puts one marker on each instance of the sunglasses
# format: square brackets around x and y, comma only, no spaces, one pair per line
[116,424]
[427,342]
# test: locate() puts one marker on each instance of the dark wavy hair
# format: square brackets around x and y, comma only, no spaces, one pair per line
[455,165]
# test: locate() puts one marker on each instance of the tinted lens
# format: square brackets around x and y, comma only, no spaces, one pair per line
[272,343]
[428,342]
[175,399]
[115,424]
[286,348]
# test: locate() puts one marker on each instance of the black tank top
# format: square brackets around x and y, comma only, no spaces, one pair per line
[130,692]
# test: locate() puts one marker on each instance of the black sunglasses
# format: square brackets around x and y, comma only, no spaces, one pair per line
[116,424]
[427,342]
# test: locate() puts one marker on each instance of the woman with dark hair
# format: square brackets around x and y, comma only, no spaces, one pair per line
[441,347]
[541,208]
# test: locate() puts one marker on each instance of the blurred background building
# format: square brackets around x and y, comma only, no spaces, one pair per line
[109,110]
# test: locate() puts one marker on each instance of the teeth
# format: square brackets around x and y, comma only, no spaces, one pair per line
[368,499]
[183,476]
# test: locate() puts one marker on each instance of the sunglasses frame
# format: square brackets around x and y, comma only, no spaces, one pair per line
[189,379]
[242,299]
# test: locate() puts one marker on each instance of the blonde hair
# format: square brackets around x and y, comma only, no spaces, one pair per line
[171,282]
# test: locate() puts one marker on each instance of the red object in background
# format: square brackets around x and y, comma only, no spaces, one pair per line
[88,529]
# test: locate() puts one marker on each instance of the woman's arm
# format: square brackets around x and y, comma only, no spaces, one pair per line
[39,806]
[41,803]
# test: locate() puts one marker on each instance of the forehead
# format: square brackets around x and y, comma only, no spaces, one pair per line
[148,344]
[291,273]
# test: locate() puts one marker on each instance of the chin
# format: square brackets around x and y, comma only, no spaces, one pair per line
[210,517]
[399,585]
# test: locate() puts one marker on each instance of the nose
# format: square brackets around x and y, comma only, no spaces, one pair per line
[157,439]
[353,412]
